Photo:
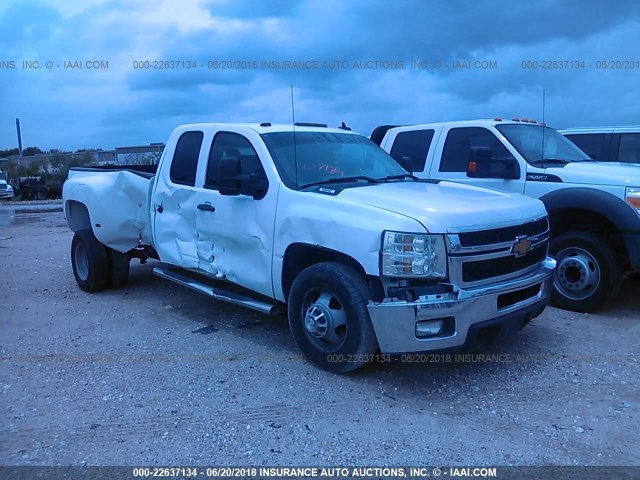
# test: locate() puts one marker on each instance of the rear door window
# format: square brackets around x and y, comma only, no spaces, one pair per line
[629,151]
[593,144]
[185,159]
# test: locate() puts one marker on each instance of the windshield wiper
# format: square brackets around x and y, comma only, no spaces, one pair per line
[398,177]
[342,180]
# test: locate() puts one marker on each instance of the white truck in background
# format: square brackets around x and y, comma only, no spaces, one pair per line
[366,258]
[6,190]
[607,144]
[594,207]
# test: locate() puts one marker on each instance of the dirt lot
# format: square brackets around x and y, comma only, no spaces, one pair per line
[157,374]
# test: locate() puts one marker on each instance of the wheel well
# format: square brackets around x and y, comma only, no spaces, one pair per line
[571,219]
[299,256]
[77,216]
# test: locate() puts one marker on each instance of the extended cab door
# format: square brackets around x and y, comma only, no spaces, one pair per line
[235,231]
[174,200]
[454,151]
[196,227]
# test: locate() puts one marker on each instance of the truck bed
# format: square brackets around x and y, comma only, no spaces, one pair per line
[145,171]
[117,197]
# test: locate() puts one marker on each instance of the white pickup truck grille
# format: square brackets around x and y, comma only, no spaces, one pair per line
[489,256]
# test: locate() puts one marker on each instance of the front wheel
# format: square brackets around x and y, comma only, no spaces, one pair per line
[588,274]
[329,319]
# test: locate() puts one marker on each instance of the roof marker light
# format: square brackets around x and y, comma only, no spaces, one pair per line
[498,119]
[515,119]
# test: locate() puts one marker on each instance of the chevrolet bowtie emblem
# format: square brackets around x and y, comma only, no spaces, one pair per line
[521,246]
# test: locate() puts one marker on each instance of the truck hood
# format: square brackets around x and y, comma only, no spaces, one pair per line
[599,173]
[447,207]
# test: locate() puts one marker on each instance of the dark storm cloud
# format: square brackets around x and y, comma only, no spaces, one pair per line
[128,105]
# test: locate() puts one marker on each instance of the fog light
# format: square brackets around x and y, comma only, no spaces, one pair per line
[429,328]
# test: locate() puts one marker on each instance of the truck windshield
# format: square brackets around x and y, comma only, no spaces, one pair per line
[321,157]
[541,145]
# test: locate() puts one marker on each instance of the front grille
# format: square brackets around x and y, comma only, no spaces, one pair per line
[489,256]
[3,186]
[502,235]
[500,266]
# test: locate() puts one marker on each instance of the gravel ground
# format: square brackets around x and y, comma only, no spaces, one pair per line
[157,374]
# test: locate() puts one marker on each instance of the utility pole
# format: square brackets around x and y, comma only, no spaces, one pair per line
[19,137]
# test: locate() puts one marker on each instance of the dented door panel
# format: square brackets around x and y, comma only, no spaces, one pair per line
[235,242]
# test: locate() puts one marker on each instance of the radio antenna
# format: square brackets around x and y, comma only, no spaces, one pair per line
[293,125]
[543,122]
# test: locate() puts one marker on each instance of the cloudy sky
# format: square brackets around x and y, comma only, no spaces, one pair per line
[366,63]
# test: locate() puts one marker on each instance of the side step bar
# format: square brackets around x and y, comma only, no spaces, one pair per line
[214,292]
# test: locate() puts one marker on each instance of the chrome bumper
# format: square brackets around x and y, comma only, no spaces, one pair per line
[394,321]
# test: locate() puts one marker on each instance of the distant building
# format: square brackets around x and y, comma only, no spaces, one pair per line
[142,154]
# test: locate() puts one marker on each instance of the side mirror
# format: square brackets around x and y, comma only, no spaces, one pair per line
[231,182]
[482,165]
[407,164]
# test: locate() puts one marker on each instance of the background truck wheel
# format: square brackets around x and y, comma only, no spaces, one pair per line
[329,319]
[89,261]
[118,268]
[588,274]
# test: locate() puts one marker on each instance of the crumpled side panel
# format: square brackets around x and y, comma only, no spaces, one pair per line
[175,233]
[117,203]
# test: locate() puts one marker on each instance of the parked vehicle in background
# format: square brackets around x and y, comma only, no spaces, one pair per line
[594,207]
[366,257]
[607,144]
[36,188]
[6,190]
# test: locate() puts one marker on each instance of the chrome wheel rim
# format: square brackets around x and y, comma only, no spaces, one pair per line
[578,273]
[325,320]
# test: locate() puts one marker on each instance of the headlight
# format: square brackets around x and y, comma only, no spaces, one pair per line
[9,188]
[632,195]
[413,255]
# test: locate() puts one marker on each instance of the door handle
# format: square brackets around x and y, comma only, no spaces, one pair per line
[206,207]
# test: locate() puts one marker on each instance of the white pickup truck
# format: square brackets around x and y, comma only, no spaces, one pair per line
[594,207]
[367,258]
[6,190]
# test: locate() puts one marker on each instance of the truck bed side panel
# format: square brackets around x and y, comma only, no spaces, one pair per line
[118,205]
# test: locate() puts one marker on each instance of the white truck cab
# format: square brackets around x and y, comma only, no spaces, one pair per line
[607,144]
[594,207]
[366,257]
[6,190]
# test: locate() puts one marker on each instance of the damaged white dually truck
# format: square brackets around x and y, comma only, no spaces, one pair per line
[367,258]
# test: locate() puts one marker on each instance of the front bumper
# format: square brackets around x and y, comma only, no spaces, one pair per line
[514,302]
[6,193]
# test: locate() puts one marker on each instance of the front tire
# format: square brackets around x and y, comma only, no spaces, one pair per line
[588,274]
[89,261]
[329,319]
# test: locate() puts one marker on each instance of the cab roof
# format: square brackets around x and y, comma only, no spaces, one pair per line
[267,127]
[474,123]
[613,129]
